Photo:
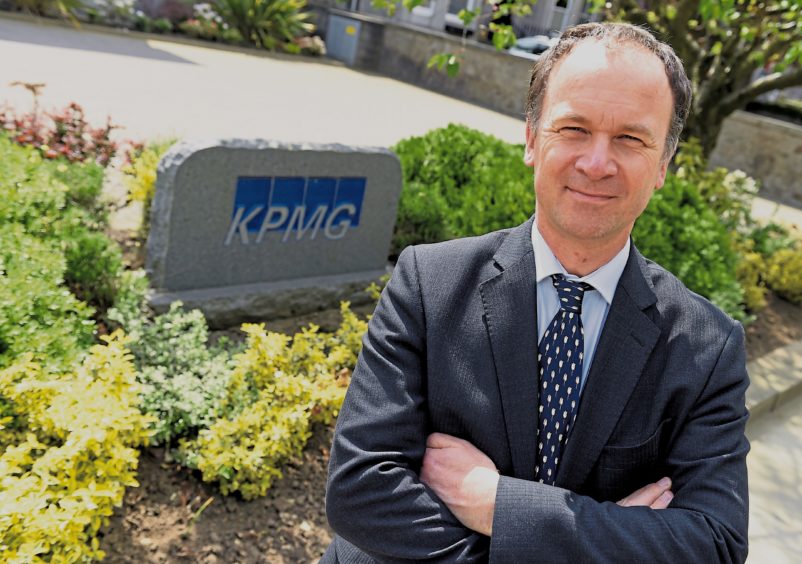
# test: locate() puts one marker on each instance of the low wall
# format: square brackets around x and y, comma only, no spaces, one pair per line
[767,149]
[488,77]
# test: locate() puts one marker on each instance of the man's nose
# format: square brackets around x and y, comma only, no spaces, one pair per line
[596,161]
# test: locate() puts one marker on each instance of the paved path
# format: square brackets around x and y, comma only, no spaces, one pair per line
[775,486]
[157,88]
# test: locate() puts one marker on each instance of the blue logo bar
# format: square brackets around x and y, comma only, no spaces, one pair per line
[295,205]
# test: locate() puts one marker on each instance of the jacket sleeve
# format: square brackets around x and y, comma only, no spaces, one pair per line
[374,498]
[705,522]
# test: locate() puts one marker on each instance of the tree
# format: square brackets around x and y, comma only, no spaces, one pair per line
[722,44]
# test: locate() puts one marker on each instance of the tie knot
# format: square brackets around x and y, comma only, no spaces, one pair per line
[570,293]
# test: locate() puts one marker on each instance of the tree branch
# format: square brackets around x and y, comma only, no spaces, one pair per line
[677,30]
[779,46]
[774,81]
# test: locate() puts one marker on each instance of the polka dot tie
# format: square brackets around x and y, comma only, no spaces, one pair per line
[559,358]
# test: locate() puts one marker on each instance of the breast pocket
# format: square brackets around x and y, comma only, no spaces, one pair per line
[622,469]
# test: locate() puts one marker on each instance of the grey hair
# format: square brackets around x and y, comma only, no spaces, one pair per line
[614,33]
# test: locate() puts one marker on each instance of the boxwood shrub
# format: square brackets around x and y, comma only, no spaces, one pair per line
[681,232]
[459,182]
[58,201]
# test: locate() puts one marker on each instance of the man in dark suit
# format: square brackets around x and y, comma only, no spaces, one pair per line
[545,393]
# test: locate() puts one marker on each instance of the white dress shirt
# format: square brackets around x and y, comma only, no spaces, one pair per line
[595,304]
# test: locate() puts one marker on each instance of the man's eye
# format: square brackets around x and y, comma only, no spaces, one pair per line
[572,130]
[632,138]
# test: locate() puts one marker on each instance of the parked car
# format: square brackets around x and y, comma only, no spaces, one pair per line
[531,47]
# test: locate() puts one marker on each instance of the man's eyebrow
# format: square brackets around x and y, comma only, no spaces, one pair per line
[629,127]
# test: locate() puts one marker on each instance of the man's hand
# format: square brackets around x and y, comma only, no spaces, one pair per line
[464,478]
[656,496]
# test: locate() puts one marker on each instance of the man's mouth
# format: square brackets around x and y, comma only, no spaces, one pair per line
[588,196]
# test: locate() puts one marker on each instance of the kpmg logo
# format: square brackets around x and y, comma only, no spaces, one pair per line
[297,206]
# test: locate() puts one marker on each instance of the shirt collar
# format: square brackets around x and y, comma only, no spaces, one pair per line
[604,279]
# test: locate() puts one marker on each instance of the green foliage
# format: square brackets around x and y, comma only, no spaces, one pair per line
[757,248]
[94,264]
[268,24]
[84,182]
[448,61]
[162,25]
[679,231]
[38,315]
[65,8]
[460,182]
[184,381]
[728,193]
[503,35]
[69,450]
[770,238]
[784,274]
[28,194]
[279,387]
[35,196]
[207,24]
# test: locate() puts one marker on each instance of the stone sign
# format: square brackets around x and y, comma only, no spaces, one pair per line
[253,229]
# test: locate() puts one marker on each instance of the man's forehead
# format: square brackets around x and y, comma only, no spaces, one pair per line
[592,55]
[622,71]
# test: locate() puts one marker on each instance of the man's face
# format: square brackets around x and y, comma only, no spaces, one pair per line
[598,148]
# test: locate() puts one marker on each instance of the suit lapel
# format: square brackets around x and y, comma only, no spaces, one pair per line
[511,321]
[624,347]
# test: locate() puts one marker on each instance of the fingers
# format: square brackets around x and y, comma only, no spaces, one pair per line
[441,440]
[657,495]
[663,501]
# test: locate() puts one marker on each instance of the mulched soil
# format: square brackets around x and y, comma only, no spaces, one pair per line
[174,517]
[164,520]
[778,325]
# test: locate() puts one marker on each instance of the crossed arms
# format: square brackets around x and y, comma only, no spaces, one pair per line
[466,480]
[396,502]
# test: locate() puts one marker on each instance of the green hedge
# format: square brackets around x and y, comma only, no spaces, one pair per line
[681,232]
[59,202]
[459,182]
[37,313]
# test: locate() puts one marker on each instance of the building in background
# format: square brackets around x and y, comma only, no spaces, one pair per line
[548,17]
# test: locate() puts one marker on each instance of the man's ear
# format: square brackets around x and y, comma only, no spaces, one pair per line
[529,150]
[661,174]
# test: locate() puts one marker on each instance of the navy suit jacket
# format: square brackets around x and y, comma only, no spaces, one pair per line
[452,347]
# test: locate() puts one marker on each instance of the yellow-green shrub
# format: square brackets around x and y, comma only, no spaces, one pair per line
[246,453]
[141,176]
[750,272]
[784,274]
[141,170]
[74,455]
[280,386]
